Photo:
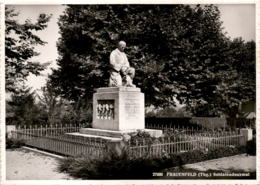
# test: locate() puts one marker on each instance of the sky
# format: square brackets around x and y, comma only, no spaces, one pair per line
[48,52]
[238,21]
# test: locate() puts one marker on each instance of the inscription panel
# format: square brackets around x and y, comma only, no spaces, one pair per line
[132,108]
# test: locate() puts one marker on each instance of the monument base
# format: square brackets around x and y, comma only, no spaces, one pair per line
[118,114]
[118,134]
[110,139]
[118,108]
[115,139]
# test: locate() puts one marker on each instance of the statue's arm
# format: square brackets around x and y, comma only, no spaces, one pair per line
[126,62]
[113,62]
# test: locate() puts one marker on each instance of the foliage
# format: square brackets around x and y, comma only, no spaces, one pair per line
[140,137]
[78,112]
[23,108]
[52,104]
[62,111]
[183,55]
[199,123]
[174,134]
[241,123]
[238,82]
[209,122]
[168,112]
[113,166]
[20,42]
[51,109]
[11,143]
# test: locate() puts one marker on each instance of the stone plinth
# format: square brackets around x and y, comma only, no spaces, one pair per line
[118,109]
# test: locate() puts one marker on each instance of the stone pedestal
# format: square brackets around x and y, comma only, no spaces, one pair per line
[118,109]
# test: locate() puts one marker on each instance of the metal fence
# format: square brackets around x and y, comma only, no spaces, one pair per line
[55,139]
[172,128]
[209,123]
[50,130]
[184,143]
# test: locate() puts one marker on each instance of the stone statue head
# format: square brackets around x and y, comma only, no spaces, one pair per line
[121,45]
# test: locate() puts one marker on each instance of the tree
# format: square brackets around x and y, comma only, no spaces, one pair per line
[179,51]
[20,40]
[52,104]
[62,111]
[24,109]
[237,85]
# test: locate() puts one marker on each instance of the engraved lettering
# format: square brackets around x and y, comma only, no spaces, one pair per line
[132,108]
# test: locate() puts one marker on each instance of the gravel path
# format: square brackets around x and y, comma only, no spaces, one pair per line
[23,164]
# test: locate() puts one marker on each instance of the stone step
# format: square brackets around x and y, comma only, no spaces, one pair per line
[113,139]
[117,134]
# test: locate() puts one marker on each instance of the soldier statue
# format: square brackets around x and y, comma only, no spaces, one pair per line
[121,73]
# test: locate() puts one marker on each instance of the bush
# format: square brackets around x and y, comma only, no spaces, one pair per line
[13,143]
[251,147]
[140,137]
[199,155]
[113,166]
[241,123]
[209,122]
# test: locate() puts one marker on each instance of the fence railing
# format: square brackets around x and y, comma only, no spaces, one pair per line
[55,139]
[185,143]
[199,122]
[51,130]
[186,130]
[171,126]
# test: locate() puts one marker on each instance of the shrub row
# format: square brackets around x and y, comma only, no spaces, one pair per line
[13,143]
[201,122]
[209,123]
[113,166]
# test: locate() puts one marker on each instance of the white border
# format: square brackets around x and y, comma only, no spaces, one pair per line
[257,24]
[129,1]
[128,182]
[2,90]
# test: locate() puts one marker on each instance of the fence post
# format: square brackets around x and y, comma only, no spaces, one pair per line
[116,146]
[9,130]
[247,134]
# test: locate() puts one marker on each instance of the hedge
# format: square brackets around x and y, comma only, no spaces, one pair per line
[113,166]
[201,122]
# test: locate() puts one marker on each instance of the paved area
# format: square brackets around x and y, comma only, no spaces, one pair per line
[238,162]
[23,164]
